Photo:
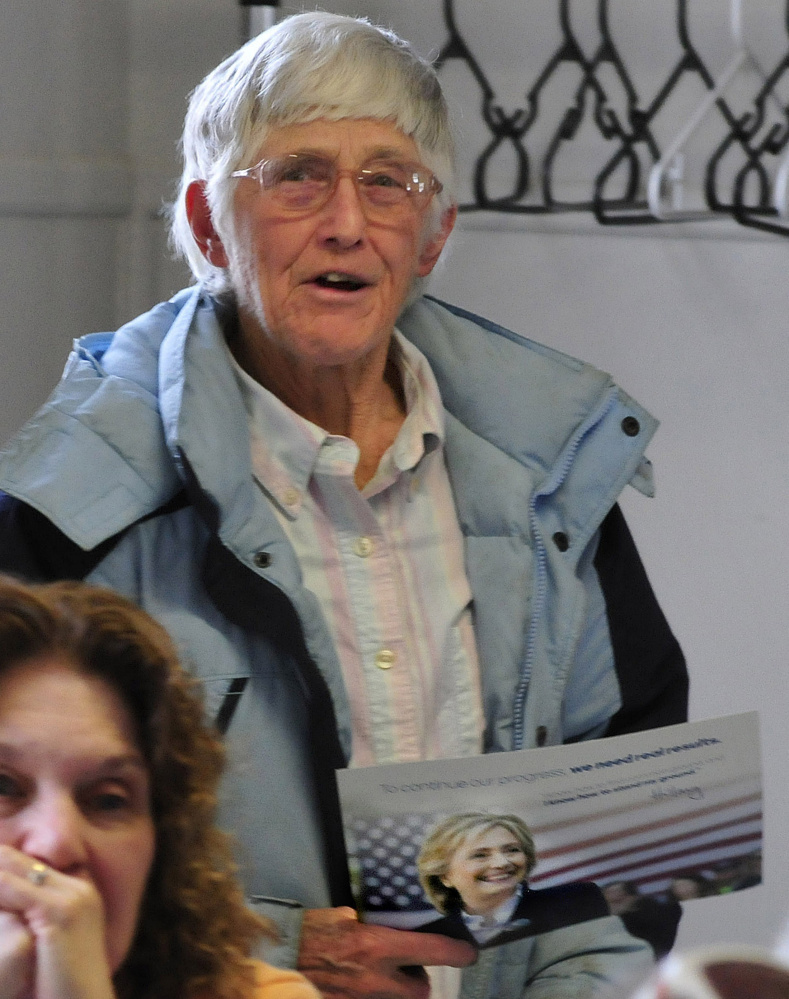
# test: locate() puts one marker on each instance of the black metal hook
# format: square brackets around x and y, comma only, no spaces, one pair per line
[605,97]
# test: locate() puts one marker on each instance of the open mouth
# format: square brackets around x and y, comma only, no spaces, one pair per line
[339,281]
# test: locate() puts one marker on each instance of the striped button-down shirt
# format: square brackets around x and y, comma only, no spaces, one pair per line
[386,565]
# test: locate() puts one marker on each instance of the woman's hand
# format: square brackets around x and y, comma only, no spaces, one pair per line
[346,959]
[55,946]
[17,957]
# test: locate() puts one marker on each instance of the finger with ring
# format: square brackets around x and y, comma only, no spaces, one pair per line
[38,873]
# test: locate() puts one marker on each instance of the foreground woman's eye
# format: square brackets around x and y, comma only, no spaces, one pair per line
[9,788]
[107,801]
[12,794]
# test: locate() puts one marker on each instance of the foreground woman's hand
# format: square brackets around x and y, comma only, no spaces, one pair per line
[52,942]
[346,959]
[17,956]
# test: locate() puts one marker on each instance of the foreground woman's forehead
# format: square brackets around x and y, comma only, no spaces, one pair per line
[47,704]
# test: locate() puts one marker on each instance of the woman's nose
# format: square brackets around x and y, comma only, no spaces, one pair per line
[54,832]
[343,219]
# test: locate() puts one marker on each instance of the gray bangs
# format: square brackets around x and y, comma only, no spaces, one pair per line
[363,72]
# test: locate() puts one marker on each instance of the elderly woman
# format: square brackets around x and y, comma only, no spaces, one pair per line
[113,879]
[381,528]
[474,869]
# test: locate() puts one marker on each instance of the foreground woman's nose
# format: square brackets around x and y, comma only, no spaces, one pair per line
[54,832]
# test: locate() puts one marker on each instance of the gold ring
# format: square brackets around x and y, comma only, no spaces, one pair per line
[38,873]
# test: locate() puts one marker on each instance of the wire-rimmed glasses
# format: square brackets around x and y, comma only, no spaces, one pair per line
[302,183]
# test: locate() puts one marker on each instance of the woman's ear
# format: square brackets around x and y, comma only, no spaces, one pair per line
[431,251]
[202,225]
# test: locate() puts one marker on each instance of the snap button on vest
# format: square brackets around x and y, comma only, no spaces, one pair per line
[561,541]
[262,559]
[631,426]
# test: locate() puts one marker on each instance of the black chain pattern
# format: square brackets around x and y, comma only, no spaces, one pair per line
[620,125]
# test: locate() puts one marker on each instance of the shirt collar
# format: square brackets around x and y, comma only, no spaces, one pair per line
[496,919]
[285,447]
[423,429]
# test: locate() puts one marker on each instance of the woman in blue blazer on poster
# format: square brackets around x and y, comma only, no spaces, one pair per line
[474,869]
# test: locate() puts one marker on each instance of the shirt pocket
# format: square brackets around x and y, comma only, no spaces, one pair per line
[221,698]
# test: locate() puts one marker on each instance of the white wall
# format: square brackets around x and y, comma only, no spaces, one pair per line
[695,329]
[690,321]
[65,183]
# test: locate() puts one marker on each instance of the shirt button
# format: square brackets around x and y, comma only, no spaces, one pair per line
[385,659]
[363,547]
[291,497]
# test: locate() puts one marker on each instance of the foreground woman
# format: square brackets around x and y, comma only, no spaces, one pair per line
[113,880]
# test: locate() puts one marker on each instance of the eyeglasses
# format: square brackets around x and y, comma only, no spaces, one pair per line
[301,183]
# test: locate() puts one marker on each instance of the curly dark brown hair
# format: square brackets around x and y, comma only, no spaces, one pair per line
[194,931]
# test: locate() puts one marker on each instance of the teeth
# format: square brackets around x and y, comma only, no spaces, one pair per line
[340,280]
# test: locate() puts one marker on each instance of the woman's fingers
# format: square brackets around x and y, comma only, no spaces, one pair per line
[19,865]
[28,885]
[17,957]
[351,960]
[17,943]
[51,904]
[63,918]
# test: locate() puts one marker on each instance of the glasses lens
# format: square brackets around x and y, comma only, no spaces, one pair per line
[386,184]
[298,182]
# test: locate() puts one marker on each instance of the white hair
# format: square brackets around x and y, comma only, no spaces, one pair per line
[308,66]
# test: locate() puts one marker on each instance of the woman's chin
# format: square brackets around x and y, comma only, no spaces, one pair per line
[491,897]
